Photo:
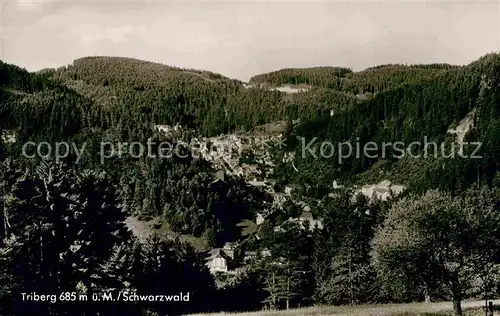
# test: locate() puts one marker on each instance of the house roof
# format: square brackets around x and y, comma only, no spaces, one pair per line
[381,190]
[229,246]
[385,183]
[397,189]
[220,174]
[215,253]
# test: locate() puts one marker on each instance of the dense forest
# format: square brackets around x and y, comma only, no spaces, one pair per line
[63,222]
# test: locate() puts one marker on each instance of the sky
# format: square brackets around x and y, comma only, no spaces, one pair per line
[240,39]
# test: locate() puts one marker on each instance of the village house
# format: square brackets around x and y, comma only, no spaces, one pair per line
[259,219]
[381,191]
[223,259]
[249,255]
[307,217]
[218,261]
[229,250]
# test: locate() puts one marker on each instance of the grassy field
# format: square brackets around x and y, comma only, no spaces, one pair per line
[471,308]
[144,228]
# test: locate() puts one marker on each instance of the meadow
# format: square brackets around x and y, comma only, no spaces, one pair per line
[471,308]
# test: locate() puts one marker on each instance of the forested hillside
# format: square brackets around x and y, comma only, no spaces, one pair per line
[407,113]
[63,220]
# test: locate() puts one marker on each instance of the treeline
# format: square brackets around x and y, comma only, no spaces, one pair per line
[179,190]
[431,247]
[324,77]
[410,113]
[424,101]
[63,231]
[371,80]
[123,90]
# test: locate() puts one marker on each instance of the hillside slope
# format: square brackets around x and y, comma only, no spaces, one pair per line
[387,103]
[411,112]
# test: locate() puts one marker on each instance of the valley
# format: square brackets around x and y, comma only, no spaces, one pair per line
[239,214]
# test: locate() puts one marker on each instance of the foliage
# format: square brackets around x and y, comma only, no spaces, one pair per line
[438,239]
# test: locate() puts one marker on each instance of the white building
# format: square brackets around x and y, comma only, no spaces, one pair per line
[260,219]
[217,261]
[381,191]
[306,217]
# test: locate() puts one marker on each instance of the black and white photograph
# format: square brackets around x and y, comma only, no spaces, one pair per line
[249,158]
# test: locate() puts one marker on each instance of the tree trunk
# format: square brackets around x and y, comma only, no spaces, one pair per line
[351,299]
[273,302]
[427,295]
[6,224]
[457,295]
[288,289]
[457,306]
[427,298]
[3,231]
